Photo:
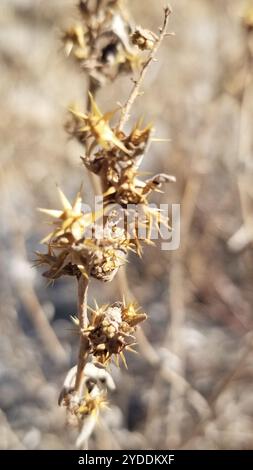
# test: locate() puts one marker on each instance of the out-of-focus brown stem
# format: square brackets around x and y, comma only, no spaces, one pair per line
[95,181]
[83,321]
[43,328]
[221,387]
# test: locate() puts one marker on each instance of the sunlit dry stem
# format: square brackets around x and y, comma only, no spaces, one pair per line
[83,321]
[125,112]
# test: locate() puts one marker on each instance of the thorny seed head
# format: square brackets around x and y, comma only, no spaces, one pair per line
[118,169]
[111,330]
[94,127]
[74,42]
[91,404]
[100,42]
[100,259]
[144,39]
[69,222]
[70,252]
[116,161]
[94,375]
[88,404]
[110,164]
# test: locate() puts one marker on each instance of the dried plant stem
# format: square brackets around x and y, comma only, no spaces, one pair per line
[111,328]
[125,113]
[83,321]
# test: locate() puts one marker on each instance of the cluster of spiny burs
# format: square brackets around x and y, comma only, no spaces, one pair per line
[96,244]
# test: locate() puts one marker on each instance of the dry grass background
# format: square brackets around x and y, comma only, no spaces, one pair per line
[192,385]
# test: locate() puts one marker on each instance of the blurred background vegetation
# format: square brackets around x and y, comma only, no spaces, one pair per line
[191,385]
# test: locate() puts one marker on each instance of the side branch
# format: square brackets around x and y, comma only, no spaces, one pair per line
[125,113]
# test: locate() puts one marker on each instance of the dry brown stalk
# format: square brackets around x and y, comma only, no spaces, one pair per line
[125,112]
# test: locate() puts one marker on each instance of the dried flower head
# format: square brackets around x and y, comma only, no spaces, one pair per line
[94,375]
[100,43]
[117,166]
[109,164]
[95,127]
[95,258]
[75,43]
[91,404]
[120,182]
[71,221]
[111,330]
[144,39]
[74,251]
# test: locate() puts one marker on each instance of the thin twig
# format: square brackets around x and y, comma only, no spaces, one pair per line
[125,112]
[83,321]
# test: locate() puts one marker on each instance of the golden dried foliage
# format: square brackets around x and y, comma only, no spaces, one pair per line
[102,44]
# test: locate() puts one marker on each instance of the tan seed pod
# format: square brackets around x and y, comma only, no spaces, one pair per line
[144,39]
